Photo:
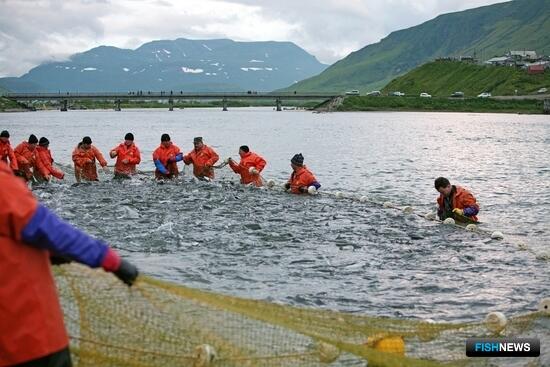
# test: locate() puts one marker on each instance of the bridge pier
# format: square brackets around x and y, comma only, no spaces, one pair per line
[547,106]
[224,104]
[117,105]
[279,103]
[64,105]
[170,104]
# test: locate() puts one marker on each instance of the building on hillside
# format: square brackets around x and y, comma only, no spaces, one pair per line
[522,55]
[500,61]
[469,59]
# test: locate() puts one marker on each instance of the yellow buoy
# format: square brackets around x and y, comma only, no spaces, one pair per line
[430,216]
[387,344]
[387,204]
[471,227]
[495,322]
[270,183]
[339,195]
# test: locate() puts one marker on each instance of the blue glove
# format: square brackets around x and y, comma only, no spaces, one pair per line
[470,211]
[161,167]
[316,184]
[179,157]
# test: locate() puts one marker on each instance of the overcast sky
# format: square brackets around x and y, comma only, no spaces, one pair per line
[33,31]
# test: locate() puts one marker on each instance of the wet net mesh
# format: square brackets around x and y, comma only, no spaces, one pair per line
[156,323]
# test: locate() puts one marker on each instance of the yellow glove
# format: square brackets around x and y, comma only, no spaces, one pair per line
[458,211]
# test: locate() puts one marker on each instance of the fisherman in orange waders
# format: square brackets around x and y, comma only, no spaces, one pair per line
[32,332]
[455,202]
[249,167]
[84,158]
[203,158]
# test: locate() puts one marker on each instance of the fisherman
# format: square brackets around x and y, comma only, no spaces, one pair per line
[25,155]
[455,202]
[166,157]
[84,158]
[127,155]
[301,178]
[32,332]
[203,158]
[6,152]
[43,165]
[249,167]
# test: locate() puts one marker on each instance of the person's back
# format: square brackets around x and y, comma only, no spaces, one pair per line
[32,321]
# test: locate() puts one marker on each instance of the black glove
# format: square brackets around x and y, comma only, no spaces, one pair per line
[287,186]
[127,272]
[303,189]
[60,259]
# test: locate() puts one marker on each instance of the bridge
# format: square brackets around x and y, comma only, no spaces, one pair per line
[65,98]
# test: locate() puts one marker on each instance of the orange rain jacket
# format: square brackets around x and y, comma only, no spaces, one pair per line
[201,158]
[131,153]
[7,152]
[248,161]
[31,320]
[85,162]
[164,154]
[25,159]
[43,167]
[462,199]
[300,178]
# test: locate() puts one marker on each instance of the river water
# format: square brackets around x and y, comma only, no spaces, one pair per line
[322,251]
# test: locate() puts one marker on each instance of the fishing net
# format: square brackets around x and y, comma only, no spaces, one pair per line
[156,323]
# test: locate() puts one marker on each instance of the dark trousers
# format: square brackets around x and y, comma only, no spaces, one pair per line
[57,359]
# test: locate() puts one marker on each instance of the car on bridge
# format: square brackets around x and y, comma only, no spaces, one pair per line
[398,94]
[484,95]
[354,92]
[374,93]
[425,95]
[457,95]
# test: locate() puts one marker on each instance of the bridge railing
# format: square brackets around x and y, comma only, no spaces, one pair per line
[168,94]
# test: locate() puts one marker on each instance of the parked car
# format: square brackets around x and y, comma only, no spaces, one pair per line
[425,95]
[352,92]
[542,91]
[374,93]
[457,95]
[398,94]
[484,95]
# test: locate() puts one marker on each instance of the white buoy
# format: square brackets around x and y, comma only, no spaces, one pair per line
[471,227]
[328,353]
[283,185]
[226,161]
[387,204]
[312,190]
[253,171]
[430,216]
[204,356]
[497,235]
[339,195]
[544,306]
[270,183]
[363,199]
[449,221]
[408,210]
[495,322]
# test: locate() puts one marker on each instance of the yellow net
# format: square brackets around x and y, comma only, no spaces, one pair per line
[156,323]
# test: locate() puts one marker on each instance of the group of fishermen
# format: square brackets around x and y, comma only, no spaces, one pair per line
[32,160]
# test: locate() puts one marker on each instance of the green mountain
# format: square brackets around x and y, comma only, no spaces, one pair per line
[441,78]
[484,32]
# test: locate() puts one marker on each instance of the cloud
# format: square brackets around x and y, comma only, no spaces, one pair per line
[35,31]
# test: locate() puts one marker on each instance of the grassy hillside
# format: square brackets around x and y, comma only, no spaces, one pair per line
[487,31]
[441,78]
[441,104]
